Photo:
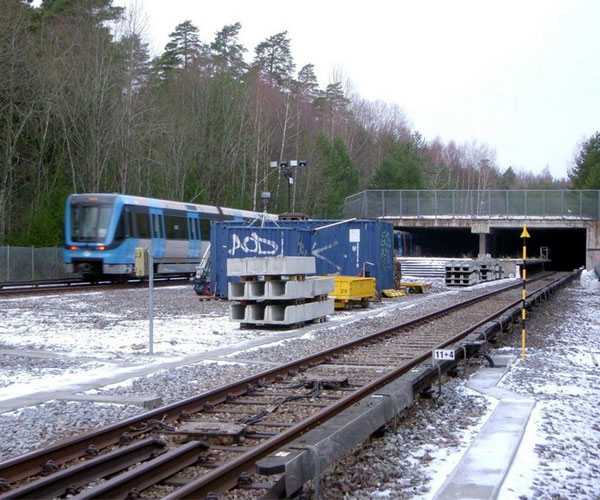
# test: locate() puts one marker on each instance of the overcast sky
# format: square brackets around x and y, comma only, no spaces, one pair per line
[520,76]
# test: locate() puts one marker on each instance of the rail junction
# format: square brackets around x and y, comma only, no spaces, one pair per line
[288,422]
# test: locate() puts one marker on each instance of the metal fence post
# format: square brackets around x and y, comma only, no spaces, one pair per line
[32,265]
[580,203]
[7,262]
[435,204]
[401,214]
[544,203]
[383,202]
[453,202]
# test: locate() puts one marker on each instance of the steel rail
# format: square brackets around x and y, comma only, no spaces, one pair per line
[41,287]
[33,463]
[226,477]
[66,481]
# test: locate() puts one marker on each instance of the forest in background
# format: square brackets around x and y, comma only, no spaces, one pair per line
[85,108]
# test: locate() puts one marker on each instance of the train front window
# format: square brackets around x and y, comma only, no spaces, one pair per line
[90,222]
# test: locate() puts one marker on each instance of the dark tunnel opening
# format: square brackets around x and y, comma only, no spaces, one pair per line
[566,246]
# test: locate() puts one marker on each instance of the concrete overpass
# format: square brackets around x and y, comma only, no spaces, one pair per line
[567,222]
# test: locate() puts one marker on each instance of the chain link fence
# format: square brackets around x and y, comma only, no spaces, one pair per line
[31,264]
[576,204]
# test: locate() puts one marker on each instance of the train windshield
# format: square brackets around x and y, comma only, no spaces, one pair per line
[90,222]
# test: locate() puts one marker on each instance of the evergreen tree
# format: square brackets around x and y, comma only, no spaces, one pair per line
[586,172]
[508,179]
[94,12]
[402,167]
[226,53]
[184,49]
[274,58]
[307,84]
[339,175]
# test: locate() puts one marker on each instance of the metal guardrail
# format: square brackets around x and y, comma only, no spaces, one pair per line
[575,204]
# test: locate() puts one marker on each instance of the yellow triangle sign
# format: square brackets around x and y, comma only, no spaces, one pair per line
[525,234]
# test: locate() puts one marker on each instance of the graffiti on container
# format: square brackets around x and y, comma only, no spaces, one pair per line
[318,254]
[253,244]
[386,247]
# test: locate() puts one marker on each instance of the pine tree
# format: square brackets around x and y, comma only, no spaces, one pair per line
[401,168]
[274,59]
[307,84]
[226,53]
[339,175]
[586,172]
[184,49]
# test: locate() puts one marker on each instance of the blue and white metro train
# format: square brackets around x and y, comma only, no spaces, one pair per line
[102,232]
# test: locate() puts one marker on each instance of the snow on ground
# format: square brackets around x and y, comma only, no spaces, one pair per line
[81,335]
[559,456]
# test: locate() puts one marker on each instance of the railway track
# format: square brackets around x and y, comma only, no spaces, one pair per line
[210,443]
[15,288]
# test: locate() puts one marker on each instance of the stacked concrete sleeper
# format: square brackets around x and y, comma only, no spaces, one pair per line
[276,291]
[471,272]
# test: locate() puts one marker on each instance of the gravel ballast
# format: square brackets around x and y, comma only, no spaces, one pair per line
[408,464]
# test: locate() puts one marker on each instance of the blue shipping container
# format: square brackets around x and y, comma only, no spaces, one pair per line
[353,247]
[230,240]
[347,248]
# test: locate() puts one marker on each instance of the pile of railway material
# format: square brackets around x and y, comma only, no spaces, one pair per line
[288,422]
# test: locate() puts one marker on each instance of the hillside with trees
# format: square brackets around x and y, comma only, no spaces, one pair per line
[85,108]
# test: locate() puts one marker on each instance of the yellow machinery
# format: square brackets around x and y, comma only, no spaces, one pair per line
[350,290]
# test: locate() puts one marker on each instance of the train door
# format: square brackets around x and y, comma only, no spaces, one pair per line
[193,223]
[157,232]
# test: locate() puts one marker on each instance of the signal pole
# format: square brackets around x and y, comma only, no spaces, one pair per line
[524,236]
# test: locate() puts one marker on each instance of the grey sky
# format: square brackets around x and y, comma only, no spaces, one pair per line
[520,76]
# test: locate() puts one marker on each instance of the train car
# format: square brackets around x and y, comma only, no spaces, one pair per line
[102,232]
[403,244]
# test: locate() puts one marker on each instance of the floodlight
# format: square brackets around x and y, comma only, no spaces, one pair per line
[293,163]
[273,164]
[265,195]
[283,164]
[302,163]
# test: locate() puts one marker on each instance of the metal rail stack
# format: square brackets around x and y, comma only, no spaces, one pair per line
[276,291]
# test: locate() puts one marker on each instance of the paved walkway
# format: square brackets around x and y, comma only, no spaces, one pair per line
[482,469]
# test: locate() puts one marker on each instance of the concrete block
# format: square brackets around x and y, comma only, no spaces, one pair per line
[308,310]
[285,315]
[256,266]
[290,266]
[255,313]
[323,308]
[237,312]
[148,402]
[236,291]
[322,286]
[256,290]
[288,290]
[236,267]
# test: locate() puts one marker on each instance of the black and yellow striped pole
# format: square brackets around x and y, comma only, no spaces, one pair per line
[524,236]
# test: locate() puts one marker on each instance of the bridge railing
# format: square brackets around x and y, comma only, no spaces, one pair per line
[576,204]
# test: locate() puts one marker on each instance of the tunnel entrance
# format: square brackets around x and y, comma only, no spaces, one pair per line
[566,246]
